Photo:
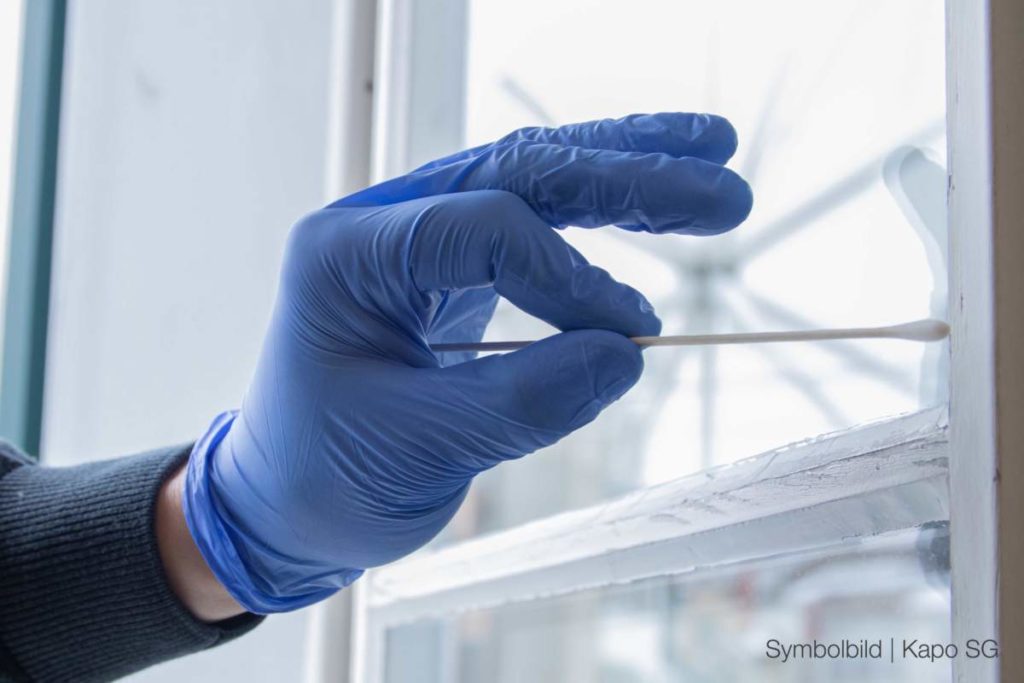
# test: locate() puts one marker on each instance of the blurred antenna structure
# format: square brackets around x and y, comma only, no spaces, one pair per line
[711,275]
[714,293]
[527,101]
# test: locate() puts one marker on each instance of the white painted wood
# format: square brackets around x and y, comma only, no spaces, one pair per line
[868,480]
[419,73]
[814,529]
[389,134]
[391,87]
[366,665]
[349,127]
[973,471]
[350,88]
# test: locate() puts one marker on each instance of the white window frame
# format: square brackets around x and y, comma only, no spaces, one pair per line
[903,464]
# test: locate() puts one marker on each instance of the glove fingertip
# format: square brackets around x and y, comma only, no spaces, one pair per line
[719,139]
[619,365]
[740,201]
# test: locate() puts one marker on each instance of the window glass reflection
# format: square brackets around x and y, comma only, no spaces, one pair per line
[713,627]
[840,112]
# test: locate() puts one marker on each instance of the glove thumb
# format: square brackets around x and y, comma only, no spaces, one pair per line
[533,397]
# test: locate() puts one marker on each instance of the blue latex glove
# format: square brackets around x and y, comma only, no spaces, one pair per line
[355,443]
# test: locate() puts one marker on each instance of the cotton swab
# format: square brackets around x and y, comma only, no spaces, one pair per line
[927,330]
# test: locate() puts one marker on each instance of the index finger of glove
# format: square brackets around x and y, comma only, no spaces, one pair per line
[480,239]
[678,134]
[652,192]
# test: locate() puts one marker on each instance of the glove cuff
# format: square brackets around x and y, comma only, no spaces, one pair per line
[222,544]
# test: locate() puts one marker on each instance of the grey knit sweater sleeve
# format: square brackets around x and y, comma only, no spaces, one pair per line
[83,596]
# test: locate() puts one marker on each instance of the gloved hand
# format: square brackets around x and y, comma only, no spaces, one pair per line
[355,443]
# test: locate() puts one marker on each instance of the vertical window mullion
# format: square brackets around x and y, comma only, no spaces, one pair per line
[31,234]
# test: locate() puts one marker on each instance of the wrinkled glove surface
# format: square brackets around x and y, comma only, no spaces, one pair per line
[355,443]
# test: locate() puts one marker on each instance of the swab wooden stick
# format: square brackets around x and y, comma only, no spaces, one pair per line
[927,330]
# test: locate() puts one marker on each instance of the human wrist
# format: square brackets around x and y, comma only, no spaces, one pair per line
[188,574]
[239,537]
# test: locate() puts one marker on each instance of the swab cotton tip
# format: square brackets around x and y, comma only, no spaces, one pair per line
[921,330]
[918,330]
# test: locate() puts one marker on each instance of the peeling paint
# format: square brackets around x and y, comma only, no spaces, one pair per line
[860,482]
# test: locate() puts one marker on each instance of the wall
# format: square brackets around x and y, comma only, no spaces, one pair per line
[1008,206]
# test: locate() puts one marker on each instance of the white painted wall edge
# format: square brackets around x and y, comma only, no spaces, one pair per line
[868,480]
[821,529]
[349,129]
[973,474]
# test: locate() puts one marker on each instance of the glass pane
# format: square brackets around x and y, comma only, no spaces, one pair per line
[715,628]
[840,113]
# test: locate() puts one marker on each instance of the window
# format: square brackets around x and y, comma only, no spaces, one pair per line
[10,45]
[777,492]
[711,625]
[30,72]
[808,505]
[833,240]
[662,502]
